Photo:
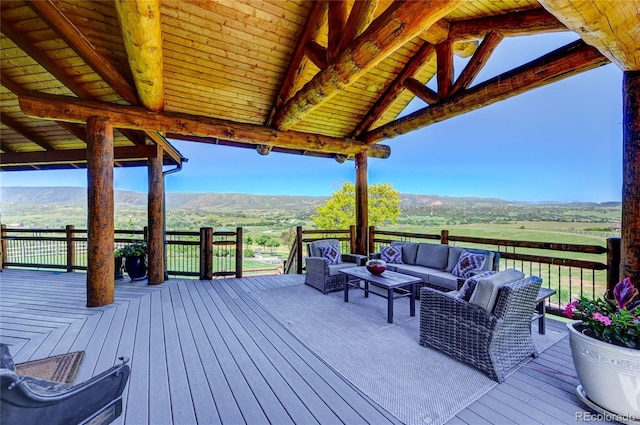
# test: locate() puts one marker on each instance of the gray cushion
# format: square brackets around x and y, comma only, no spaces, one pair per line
[433,255]
[315,248]
[454,256]
[409,251]
[486,292]
[334,269]
[416,271]
[443,279]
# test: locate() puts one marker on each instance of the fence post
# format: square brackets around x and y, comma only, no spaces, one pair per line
[145,234]
[372,244]
[299,252]
[239,252]
[71,247]
[613,264]
[3,245]
[206,253]
[352,239]
[444,237]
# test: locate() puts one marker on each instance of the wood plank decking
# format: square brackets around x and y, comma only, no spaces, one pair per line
[204,352]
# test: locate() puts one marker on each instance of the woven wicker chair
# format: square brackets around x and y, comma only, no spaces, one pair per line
[323,276]
[493,342]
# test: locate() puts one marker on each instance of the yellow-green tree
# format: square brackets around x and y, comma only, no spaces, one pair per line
[339,212]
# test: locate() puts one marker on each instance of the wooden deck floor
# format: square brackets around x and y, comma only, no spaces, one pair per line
[204,352]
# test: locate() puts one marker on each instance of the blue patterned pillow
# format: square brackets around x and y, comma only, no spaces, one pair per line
[391,254]
[470,285]
[469,264]
[331,253]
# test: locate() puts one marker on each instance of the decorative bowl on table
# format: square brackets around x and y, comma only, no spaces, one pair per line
[376,266]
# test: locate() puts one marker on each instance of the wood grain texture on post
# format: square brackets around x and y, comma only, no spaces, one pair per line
[155,210]
[630,264]
[100,263]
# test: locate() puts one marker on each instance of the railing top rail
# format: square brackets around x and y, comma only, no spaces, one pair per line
[408,234]
[322,232]
[590,249]
[16,230]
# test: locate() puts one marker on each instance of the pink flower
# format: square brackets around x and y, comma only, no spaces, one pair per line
[624,292]
[605,320]
[568,310]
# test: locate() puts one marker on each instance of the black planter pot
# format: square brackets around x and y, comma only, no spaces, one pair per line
[118,268]
[135,267]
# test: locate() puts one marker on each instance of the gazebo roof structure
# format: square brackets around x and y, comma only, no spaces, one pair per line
[313,78]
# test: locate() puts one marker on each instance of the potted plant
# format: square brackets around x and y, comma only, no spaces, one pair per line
[135,256]
[605,344]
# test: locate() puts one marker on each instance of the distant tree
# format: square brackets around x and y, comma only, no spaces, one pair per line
[262,240]
[248,240]
[273,243]
[339,212]
[289,237]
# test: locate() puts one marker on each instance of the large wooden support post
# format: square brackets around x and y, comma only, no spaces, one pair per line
[155,211]
[630,233]
[362,204]
[100,263]
[71,247]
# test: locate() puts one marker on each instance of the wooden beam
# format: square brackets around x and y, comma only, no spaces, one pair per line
[297,67]
[569,60]
[141,30]
[359,18]
[70,109]
[9,84]
[415,64]
[59,23]
[337,18]
[24,131]
[609,26]
[530,22]
[100,213]
[155,218]
[316,53]
[630,231]
[401,22]
[167,148]
[76,130]
[73,155]
[477,61]
[444,53]
[423,92]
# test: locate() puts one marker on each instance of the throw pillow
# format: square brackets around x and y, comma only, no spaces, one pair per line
[470,285]
[331,253]
[469,264]
[391,254]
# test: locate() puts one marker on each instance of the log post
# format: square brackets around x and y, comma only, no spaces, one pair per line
[299,249]
[372,236]
[444,236]
[352,239]
[362,204]
[155,199]
[206,253]
[239,252]
[613,264]
[100,230]
[71,247]
[630,232]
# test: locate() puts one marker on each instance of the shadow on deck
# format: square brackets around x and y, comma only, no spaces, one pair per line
[205,352]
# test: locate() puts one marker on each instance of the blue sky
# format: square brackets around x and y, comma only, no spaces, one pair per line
[561,142]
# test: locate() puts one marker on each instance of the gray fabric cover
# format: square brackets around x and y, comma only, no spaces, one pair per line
[486,291]
[334,269]
[415,270]
[443,279]
[315,248]
[409,251]
[433,255]
[6,359]
[454,256]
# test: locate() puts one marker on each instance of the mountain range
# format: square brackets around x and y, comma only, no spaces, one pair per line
[77,196]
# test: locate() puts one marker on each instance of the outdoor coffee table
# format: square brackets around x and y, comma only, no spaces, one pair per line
[395,284]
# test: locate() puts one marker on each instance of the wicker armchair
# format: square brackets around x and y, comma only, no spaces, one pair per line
[323,276]
[29,400]
[492,341]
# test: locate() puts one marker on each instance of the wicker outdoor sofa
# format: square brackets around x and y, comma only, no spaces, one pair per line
[493,339]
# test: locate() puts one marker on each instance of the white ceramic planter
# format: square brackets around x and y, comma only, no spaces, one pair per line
[609,375]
